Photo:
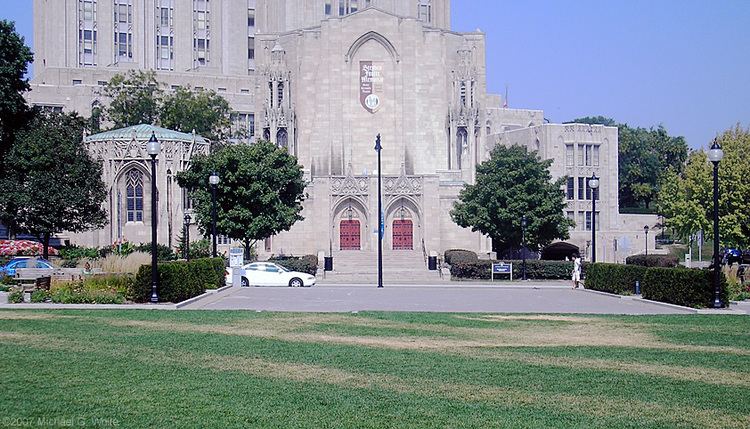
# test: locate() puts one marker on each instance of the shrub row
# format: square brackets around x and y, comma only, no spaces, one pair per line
[666,261]
[179,280]
[458,256]
[614,278]
[681,286]
[535,269]
[305,264]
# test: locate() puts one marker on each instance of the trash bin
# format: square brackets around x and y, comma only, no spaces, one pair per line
[328,263]
[432,263]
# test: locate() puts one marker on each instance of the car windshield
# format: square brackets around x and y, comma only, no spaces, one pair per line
[282,268]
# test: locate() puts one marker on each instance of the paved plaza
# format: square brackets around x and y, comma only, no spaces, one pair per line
[554,297]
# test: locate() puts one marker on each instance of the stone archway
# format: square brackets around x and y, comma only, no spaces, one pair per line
[349,225]
[405,224]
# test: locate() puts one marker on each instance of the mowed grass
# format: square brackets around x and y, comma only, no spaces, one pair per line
[139,369]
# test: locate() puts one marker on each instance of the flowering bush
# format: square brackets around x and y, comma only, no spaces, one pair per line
[23,248]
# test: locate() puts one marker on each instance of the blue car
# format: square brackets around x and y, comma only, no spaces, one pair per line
[10,268]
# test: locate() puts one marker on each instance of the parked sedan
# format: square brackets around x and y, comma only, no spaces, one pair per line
[270,274]
[10,268]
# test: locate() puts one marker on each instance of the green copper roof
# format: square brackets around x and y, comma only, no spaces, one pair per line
[143,132]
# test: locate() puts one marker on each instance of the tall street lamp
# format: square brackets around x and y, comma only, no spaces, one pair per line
[187,236]
[153,148]
[715,155]
[645,230]
[213,180]
[378,148]
[523,246]
[594,185]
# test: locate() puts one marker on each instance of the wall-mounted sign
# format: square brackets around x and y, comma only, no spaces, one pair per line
[370,85]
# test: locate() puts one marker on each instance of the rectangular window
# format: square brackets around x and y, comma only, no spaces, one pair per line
[164,16]
[581,220]
[202,48]
[580,187]
[251,20]
[187,202]
[88,10]
[588,155]
[571,188]
[328,8]
[353,6]
[342,7]
[571,215]
[424,11]
[87,33]
[77,82]
[580,155]
[588,221]
[569,155]
[596,155]
[588,190]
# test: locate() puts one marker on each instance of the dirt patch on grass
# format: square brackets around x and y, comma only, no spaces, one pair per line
[533,317]
[25,315]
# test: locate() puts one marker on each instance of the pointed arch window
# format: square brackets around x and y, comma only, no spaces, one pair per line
[462,143]
[463,93]
[134,195]
[282,138]
[279,94]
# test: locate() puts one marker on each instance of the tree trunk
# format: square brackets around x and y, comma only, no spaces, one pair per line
[45,253]
[247,250]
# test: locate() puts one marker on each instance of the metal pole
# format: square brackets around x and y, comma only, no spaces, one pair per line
[593,225]
[523,246]
[213,218]
[647,243]
[378,148]
[187,241]
[717,258]
[154,272]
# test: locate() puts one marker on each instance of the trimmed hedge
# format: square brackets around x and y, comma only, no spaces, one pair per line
[535,269]
[614,278]
[305,264]
[682,286]
[666,261]
[179,280]
[458,256]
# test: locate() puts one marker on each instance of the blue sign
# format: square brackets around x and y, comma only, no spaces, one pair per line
[382,225]
[502,268]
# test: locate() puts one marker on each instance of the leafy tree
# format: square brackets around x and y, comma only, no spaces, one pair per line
[512,183]
[52,183]
[206,112]
[686,200]
[14,59]
[260,193]
[644,156]
[135,98]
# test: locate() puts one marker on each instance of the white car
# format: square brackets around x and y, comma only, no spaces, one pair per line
[270,274]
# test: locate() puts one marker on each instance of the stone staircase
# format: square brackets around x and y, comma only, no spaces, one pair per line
[361,267]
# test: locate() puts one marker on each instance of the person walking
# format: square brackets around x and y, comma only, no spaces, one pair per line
[576,271]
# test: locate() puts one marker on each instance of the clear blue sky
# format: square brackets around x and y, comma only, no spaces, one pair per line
[681,63]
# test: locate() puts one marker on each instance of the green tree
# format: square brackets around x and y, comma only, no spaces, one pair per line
[644,156]
[512,183]
[135,98]
[686,200]
[52,183]
[260,193]
[15,57]
[188,109]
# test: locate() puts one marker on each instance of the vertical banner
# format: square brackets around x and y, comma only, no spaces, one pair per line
[370,84]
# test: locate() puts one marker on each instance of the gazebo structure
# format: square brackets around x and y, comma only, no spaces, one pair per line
[127,174]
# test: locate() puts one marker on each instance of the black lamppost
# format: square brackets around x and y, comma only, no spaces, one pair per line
[645,229]
[187,236]
[153,147]
[594,185]
[213,180]
[715,155]
[523,246]
[378,148]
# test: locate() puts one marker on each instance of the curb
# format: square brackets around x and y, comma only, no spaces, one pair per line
[669,305]
[49,306]
[206,294]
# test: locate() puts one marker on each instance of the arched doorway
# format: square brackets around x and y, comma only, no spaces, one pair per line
[402,230]
[559,251]
[349,230]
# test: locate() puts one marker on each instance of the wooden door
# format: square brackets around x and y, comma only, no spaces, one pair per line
[403,234]
[349,235]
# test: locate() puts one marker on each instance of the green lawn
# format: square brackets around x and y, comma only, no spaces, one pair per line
[140,369]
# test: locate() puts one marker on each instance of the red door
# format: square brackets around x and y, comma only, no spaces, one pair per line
[403,237]
[349,235]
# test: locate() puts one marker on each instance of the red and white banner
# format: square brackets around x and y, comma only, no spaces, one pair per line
[370,85]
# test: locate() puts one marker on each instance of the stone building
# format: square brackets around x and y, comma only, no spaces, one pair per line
[322,78]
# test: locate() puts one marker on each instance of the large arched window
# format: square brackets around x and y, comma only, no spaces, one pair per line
[134,195]
[281,138]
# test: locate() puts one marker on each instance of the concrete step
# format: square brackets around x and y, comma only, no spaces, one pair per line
[399,267]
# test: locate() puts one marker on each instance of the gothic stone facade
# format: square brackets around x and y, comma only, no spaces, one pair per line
[322,79]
